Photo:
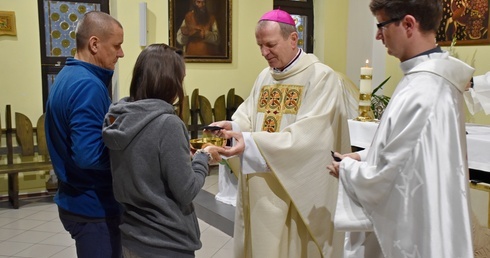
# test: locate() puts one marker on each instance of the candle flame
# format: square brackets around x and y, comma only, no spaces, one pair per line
[367,62]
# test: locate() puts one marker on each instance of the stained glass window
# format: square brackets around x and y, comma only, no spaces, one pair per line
[302,13]
[301,27]
[61,21]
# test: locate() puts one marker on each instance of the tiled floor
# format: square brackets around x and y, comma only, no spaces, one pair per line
[34,230]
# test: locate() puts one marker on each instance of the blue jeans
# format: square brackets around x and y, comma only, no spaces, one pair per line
[96,239]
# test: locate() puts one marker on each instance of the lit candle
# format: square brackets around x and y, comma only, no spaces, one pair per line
[366,76]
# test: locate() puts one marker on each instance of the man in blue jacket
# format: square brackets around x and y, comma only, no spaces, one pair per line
[77,103]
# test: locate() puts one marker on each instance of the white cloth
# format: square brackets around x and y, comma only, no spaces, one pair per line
[413,186]
[478,97]
[227,186]
[252,162]
[295,118]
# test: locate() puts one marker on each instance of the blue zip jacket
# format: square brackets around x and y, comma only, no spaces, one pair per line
[77,104]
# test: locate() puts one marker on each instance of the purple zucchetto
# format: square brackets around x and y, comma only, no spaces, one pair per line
[278,16]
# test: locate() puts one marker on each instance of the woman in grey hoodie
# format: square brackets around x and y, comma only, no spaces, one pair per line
[155,179]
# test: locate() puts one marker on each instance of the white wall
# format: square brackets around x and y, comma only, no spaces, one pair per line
[362,45]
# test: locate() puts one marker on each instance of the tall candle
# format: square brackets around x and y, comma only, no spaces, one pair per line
[366,77]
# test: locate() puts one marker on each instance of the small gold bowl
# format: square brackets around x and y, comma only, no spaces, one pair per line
[199,142]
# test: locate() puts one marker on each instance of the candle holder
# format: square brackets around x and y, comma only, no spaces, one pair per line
[365,112]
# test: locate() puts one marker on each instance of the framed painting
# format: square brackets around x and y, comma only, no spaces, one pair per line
[7,23]
[466,21]
[202,29]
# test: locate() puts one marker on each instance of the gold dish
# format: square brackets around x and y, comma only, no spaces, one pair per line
[199,142]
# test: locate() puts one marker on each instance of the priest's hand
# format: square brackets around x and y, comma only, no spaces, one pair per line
[239,143]
[226,125]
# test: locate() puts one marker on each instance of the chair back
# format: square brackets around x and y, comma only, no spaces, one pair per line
[232,103]
[205,111]
[24,134]
[186,112]
[42,145]
[219,109]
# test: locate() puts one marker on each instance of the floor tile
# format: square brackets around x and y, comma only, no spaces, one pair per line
[212,241]
[202,225]
[214,237]
[31,237]
[11,248]
[70,252]
[5,221]
[43,215]
[39,204]
[211,180]
[62,239]
[2,210]
[214,189]
[34,230]
[226,251]
[6,234]
[50,226]
[18,213]
[205,252]
[40,251]
[24,224]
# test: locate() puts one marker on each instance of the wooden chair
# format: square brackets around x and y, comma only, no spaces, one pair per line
[24,134]
[25,137]
[194,113]
[205,111]
[186,112]
[201,113]
[42,145]
[232,103]
[219,109]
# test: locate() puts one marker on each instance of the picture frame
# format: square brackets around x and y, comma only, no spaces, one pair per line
[204,38]
[7,23]
[466,21]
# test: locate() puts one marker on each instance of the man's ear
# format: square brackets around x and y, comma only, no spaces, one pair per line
[409,22]
[294,39]
[93,43]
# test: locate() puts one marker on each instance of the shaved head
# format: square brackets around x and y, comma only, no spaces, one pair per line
[94,23]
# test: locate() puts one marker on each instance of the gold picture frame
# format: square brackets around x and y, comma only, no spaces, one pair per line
[7,23]
[198,39]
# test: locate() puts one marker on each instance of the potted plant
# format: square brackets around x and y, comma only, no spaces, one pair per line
[379,102]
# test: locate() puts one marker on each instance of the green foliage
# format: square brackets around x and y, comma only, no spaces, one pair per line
[379,102]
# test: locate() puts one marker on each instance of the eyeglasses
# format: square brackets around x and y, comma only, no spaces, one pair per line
[382,24]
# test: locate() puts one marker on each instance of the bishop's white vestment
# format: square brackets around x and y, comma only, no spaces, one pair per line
[293,118]
[412,189]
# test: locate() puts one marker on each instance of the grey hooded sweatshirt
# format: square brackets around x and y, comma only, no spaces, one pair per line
[154,177]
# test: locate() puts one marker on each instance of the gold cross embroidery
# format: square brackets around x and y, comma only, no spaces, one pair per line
[277,100]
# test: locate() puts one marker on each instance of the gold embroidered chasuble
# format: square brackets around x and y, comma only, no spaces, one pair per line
[295,118]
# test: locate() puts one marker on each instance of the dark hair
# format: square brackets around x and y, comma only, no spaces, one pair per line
[94,23]
[158,74]
[427,12]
